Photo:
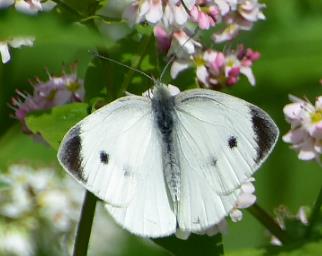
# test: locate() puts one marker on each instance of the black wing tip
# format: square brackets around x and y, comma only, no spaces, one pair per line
[266,132]
[70,153]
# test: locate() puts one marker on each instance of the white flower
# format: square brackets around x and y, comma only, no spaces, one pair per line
[306,127]
[182,45]
[29,6]
[16,42]
[251,10]
[245,199]
[275,241]
[177,67]
[169,13]
[174,14]
[302,215]
[227,34]
[4,52]
[56,207]
[15,241]
[20,202]
[6,3]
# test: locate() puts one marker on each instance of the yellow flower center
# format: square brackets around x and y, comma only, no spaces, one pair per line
[73,86]
[316,116]
[199,61]
[52,95]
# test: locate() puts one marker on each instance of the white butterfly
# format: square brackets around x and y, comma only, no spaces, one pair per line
[169,162]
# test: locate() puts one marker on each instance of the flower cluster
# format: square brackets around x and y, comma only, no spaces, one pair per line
[174,22]
[245,199]
[286,220]
[58,90]
[28,6]
[34,196]
[306,127]
[16,42]
[215,69]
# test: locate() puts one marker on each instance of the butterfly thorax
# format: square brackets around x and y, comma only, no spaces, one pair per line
[163,104]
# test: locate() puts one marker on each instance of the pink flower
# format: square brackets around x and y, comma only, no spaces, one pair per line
[205,18]
[243,14]
[251,10]
[172,21]
[218,69]
[246,199]
[306,127]
[58,90]
[163,39]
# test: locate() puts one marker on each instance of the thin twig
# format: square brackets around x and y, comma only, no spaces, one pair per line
[264,218]
[85,225]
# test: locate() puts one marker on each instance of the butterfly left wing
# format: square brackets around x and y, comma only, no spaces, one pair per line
[115,153]
[222,140]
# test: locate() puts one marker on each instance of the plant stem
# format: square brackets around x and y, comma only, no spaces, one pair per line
[264,218]
[315,214]
[85,225]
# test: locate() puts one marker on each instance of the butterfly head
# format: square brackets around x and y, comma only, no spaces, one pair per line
[160,91]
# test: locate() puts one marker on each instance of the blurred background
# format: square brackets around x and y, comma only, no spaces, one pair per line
[290,43]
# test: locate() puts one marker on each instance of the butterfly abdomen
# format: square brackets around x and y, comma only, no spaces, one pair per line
[163,109]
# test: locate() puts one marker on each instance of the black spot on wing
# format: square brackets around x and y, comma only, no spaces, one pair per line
[213,161]
[104,157]
[265,132]
[70,154]
[232,142]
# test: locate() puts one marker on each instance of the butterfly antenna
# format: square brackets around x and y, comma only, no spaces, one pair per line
[96,54]
[185,7]
[174,56]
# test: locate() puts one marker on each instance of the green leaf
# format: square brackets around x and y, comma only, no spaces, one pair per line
[194,245]
[52,125]
[16,147]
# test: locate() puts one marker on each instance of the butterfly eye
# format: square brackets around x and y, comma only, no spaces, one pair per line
[232,142]
[104,157]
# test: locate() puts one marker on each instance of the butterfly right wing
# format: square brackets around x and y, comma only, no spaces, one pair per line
[116,154]
[222,141]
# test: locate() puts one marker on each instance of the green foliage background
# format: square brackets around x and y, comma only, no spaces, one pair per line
[290,42]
